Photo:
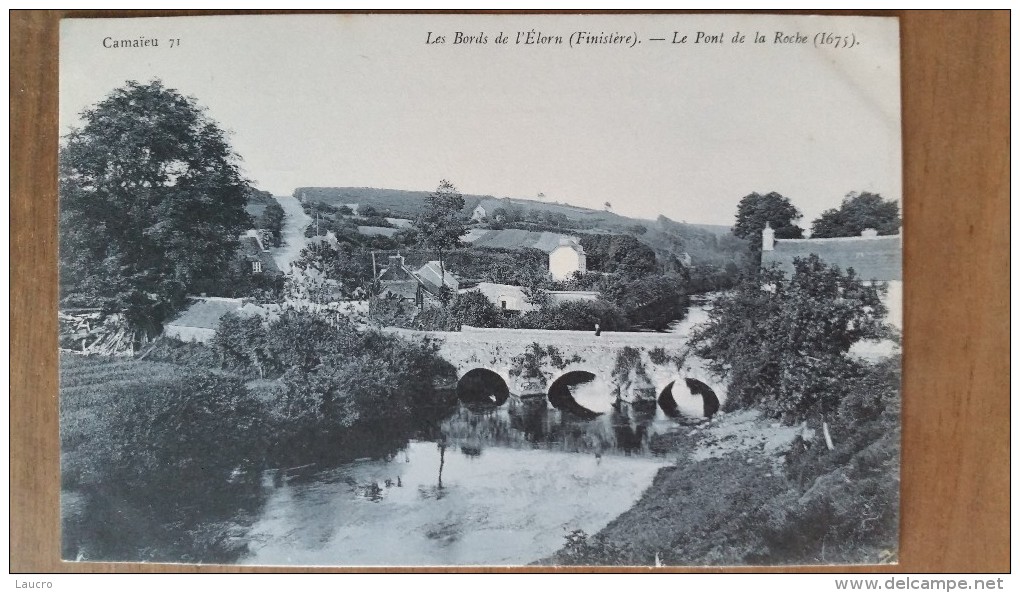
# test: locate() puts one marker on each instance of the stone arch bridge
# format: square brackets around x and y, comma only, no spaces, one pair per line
[630,367]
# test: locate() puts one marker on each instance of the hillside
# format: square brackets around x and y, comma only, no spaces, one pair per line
[398,203]
[707,246]
[406,204]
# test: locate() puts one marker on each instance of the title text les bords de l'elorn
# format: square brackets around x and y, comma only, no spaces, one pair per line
[580,38]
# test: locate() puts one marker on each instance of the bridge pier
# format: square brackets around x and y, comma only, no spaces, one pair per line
[631,368]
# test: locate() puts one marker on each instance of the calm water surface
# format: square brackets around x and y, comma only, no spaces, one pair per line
[502,486]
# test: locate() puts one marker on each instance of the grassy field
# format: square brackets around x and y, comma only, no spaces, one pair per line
[144,447]
[397,202]
[407,203]
[89,388]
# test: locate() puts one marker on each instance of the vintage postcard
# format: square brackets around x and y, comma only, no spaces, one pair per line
[480,290]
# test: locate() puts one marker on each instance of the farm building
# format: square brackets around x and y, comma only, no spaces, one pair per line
[432,273]
[421,285]
[566,255]
[558,297]
[253,251]
[505,296]
[199,321]
[479,213]
[566,259]
[513,298]
[872,257]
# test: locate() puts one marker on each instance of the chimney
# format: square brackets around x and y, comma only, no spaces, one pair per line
[396,260]
[768,238]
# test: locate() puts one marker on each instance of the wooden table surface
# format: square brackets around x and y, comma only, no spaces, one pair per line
[955,473]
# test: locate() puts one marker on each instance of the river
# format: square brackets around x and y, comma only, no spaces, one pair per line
[488,485]
[503,486]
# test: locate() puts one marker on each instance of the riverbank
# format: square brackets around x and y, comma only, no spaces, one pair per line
[745,490]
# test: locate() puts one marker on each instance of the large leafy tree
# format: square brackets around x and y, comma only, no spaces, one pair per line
[859,211]
[783,343]
[755,210]
[439,224]
[329,273]
[152,203]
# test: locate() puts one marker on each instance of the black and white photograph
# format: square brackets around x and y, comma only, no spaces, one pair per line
[462,290]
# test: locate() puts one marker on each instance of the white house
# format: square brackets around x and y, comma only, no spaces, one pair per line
[508,297]
[505,296]
[566,258]
[479,213]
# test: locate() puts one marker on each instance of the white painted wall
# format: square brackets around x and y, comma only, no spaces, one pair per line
[564,261]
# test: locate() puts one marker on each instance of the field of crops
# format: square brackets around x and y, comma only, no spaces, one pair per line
[91,388]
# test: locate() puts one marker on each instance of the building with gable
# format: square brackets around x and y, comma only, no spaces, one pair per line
[199,321]
[566,259]
[422,286]
[255,254]
[566,255]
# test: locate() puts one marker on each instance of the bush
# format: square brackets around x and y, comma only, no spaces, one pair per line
[582,549]
[620,254]
[784,343]
[164,426]
[272,221]
[172,350]
[628,359]
[339,384]
[653,302]
[475,309]
[575,315]
[158,459]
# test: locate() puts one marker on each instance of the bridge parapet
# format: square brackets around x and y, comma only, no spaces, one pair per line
[636,366]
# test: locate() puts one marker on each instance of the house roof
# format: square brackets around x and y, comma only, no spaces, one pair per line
[206,312]
[431,273]
[872,258]
[493,291]
[396,271]
[251,250]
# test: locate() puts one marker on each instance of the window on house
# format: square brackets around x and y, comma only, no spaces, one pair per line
[503,302]
[256,267]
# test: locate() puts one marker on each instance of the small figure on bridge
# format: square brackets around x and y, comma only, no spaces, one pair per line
[598,330]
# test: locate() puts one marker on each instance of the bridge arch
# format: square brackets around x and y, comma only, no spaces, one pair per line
[581,392]
[690,397]
[483,386]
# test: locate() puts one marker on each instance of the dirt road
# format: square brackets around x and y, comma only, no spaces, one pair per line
[294,223]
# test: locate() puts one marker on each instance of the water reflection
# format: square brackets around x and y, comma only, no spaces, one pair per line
[561,394]
[533,423]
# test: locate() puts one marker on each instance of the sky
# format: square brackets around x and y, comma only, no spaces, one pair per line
[680,129]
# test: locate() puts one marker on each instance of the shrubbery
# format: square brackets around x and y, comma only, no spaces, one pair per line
[783,343]
[844,505]
[165,423]
[143,442]
[339,382]
[172,440]
[574,315]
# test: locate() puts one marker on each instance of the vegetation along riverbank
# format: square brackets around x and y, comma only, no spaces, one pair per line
[162,458]
[804,466]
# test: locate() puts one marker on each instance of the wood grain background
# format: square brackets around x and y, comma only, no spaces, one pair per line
[955,493]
